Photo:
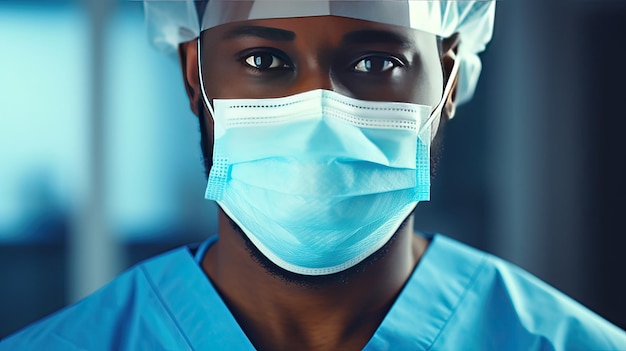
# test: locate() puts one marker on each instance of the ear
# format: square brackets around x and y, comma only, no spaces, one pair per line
[449,48]
[188,55]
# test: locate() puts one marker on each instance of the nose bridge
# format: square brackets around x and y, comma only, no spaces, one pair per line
[313,74]
[315,66]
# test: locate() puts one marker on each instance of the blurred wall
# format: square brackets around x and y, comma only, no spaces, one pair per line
[100,164]
[99,153]
[534,169]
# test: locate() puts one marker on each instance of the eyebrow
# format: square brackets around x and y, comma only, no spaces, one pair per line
[372,36]
[261,32]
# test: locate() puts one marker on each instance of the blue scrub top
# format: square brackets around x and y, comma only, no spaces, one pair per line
[458,298]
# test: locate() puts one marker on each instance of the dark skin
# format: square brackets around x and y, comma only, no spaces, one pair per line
[361,59]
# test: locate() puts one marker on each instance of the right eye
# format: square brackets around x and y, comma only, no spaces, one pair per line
[265,61]
[376,64]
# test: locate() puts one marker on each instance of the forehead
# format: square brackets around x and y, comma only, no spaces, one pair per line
[335,29]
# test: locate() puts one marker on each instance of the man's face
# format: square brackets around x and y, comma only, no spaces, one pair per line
[281,57]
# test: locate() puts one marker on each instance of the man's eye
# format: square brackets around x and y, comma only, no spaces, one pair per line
[376,64]
[264,61]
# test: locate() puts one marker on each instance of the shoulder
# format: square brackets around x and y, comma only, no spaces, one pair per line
[112,317]
[505,305]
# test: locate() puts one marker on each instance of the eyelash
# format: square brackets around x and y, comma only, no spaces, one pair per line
[394,61]
[258,52]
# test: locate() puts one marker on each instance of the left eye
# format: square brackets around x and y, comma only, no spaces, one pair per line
[263,61]
[375,64]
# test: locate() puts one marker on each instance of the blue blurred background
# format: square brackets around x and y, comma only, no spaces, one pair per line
[100,163]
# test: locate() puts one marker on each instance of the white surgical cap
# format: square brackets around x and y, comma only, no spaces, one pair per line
[175,21]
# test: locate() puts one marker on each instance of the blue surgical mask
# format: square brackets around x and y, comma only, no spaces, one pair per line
[319,181]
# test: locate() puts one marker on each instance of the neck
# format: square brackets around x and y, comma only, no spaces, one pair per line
[335,314]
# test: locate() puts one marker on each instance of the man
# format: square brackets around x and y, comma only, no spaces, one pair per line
[317,119]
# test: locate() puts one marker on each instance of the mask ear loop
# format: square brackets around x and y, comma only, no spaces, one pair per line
[204,97]
[446,93]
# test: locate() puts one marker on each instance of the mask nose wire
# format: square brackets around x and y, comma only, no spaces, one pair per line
[446,91]
[204,97]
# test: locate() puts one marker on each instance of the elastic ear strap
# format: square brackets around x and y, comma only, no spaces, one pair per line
[204,97]
[446,91]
